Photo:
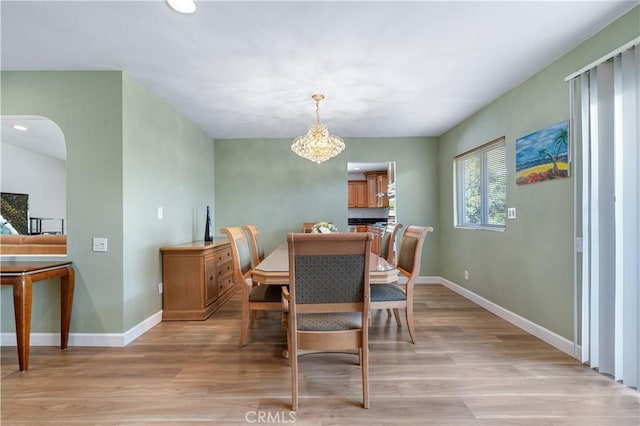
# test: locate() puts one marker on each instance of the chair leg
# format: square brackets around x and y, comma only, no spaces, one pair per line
[254,315]
[245,325]
[412,332]
[364,355]
[396,313]
[286,352]
[293,361]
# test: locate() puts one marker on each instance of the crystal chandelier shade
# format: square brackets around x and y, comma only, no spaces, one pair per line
[317,145]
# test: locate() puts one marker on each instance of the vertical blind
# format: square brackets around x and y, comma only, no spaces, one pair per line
[496,177]
[605,106]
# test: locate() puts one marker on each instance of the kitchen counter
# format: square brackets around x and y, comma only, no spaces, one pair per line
[367,221]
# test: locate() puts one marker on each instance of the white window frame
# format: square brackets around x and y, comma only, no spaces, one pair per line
[458,187]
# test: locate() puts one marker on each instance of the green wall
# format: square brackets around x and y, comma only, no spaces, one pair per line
[261,181]
[167,163]
[529,268]
[87,107]
[128,153]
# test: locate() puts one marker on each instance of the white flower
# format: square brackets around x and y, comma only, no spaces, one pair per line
[324,228]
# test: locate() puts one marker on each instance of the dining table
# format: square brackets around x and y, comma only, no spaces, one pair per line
[274,269]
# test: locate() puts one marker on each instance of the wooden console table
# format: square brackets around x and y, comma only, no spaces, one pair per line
[21,275]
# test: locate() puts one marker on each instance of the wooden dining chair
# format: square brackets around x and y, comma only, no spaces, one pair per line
[327,305]
[257,250]
[386,245]
[254,297]
[396,296]
[388,241]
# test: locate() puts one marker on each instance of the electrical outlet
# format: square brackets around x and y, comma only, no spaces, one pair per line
[466,274]
[100,244]
[160,289]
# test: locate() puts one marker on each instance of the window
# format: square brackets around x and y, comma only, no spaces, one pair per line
[481,187]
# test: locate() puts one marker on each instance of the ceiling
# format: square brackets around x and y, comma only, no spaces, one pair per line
[41,135]
[366,167]
[248,69]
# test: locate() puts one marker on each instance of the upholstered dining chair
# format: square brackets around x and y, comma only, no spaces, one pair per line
[254,297]
[327,305]
[396,296]
[386,246]
[388,240]
[257,250]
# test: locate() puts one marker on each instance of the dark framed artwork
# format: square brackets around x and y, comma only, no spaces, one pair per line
[14,209]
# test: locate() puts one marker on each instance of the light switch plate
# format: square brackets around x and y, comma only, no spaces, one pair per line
[511,213]
[100,244]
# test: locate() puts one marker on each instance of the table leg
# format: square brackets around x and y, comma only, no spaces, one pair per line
[22,298]
[66,301]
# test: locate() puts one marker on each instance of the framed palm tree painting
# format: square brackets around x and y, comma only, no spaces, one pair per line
[543,154]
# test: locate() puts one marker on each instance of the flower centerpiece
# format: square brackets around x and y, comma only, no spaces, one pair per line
[324,228]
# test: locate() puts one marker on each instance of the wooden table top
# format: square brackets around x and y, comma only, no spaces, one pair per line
[20,267]
[201,244]
[274,269]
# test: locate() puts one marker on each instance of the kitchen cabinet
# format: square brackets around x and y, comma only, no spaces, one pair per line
[361,228]
[371,189]
[197,279]
[357,193]
[382,200]
[376,186]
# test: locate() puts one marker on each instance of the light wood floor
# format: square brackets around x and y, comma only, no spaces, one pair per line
[468,368]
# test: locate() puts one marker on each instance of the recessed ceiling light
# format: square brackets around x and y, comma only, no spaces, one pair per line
[182,6]
[357,168]
[19,127]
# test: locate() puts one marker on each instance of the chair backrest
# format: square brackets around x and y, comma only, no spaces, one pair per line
[388,239]
[240,254]
[257,250]
[329,272]
[410,250]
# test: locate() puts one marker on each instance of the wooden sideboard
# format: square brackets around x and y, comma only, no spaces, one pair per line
[197,279]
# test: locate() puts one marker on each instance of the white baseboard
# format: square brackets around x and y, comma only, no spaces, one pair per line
[429,280]
[142,328]
[123,339]
[555,340]
[88,339]
[540,332]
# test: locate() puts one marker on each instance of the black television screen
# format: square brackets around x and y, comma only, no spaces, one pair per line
[14,209]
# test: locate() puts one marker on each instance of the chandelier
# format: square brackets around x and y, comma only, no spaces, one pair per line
[317,145]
